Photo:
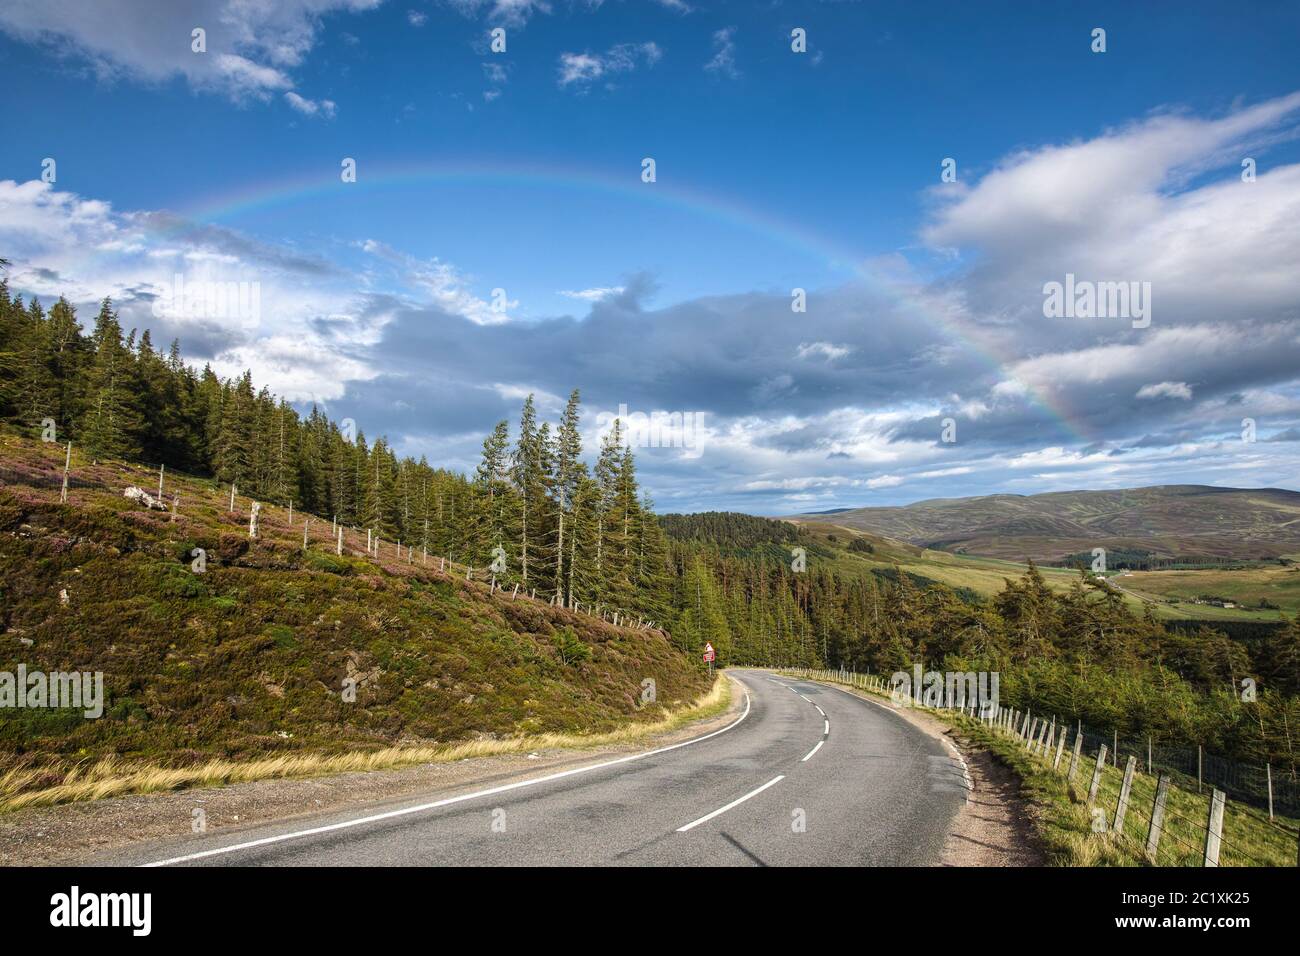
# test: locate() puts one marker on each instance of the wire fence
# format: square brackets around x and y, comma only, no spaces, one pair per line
[340,539]
[1169,806]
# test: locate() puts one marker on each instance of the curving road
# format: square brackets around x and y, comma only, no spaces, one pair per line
[807,775]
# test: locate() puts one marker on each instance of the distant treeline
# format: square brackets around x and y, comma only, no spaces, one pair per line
[1136,559]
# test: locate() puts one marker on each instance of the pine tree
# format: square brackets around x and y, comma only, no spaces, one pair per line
[111,420]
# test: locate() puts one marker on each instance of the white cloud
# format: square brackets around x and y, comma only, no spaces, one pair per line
[593,295]
[510,13]
[308,107]
[251,45]
[825,350]
[724,53]
[582,69]
[1166,390]
[444,284]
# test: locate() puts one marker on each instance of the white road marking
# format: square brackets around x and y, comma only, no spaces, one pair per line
[890,710]
[827,728]
[406,811]
[820,711]
[814,750]
[734,803]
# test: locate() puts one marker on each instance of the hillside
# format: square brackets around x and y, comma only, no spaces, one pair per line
[251,657]
[1168,521]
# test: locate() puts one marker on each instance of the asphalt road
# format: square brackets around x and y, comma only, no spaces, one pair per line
[808,775]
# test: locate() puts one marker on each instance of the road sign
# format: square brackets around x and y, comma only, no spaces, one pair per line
[709,655]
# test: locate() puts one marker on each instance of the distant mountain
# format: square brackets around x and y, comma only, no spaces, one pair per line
[1167,520]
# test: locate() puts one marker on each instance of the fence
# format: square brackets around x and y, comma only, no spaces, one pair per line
[1159,814]
[330,535]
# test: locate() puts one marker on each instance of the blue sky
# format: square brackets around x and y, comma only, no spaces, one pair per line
[776,170]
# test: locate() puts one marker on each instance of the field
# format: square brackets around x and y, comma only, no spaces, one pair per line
[985,576]
[1277,585]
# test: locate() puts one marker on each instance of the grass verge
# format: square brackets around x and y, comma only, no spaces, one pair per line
[111,777]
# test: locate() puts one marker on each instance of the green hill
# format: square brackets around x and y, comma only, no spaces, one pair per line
[1168,521]
[252,656]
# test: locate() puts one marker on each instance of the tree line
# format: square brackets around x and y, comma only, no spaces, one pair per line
[558,524]
[1082,653]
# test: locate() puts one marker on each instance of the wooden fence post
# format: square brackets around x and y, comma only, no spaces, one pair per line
[1214,827]
[339,547]
[1121,808]
[1268,770]
[1060,749]
[1097,768]
[306,522]
[1074,757]
[67,463]
[1157,825]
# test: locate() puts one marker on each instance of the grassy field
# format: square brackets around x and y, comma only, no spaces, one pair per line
[986,576]
[248,660]
[1076,836]
[1276,584]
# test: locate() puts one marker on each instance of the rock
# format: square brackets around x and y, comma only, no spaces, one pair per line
[140,496]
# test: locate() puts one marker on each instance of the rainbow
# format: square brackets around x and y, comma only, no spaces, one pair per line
[710,206]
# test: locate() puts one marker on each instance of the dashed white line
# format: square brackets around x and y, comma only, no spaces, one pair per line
[734,803]
[265,841]
[814,750]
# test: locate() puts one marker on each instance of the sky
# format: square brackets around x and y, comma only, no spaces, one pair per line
[835,290]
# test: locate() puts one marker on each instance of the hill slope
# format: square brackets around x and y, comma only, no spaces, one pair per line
[251,656]
[1167,520]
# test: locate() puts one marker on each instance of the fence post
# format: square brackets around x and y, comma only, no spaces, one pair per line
[1198,768]
[1157,825]
[1268,770]
[1121,808]
[1097,768]
[1214,828]
[1060,749]
[1148,753]
[1074,757]
[339,548]
[67,463]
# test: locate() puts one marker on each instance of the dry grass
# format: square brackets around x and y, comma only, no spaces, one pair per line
[109,777]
